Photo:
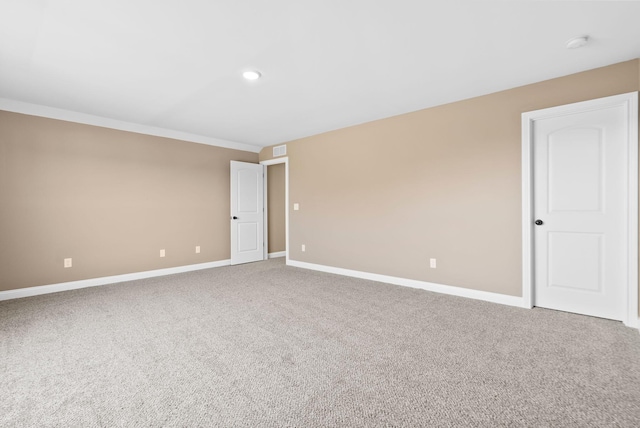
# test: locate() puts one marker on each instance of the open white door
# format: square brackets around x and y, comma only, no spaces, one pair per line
[584,168]
[247,212]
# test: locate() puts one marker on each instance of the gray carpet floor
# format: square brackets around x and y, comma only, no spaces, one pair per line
[266,345]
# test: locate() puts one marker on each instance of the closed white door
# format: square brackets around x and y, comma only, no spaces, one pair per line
[580,196]
[247,212]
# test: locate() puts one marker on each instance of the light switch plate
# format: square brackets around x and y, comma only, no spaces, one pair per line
[296,207]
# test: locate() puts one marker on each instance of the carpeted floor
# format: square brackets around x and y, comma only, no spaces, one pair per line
[265,345]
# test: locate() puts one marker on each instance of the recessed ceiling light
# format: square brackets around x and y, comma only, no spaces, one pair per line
[251,75]
[577,42]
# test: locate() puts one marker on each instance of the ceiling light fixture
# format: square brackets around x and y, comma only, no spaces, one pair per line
[251,75]
[577,42]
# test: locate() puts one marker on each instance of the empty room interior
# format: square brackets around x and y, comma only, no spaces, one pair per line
[319,214]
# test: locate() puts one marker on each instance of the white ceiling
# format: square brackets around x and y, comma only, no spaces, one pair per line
[326,64]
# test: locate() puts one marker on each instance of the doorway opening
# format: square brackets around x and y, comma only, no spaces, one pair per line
[276,209]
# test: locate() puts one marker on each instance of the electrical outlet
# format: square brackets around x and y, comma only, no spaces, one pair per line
[162,253]
[432,263]
[304,248]
[68,263]
[197,249]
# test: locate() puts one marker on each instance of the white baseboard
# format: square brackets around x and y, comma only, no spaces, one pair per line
[94,282]
[429,286]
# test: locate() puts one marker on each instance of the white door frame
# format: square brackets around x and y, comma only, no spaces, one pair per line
[285,161]
[630,102]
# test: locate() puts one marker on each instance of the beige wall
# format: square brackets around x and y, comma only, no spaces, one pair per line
[444,182]
[276,207]
[108,199]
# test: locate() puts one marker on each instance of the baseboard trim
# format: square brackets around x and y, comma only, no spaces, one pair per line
[423,285]
[94,282]
[502,299]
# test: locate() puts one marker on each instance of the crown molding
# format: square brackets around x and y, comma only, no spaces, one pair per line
[105,122]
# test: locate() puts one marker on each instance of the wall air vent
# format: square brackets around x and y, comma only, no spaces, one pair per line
[279,151]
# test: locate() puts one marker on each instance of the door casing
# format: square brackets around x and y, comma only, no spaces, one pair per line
[285,161]
[630,102]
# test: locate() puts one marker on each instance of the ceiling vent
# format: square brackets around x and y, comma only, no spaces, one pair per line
[279,151]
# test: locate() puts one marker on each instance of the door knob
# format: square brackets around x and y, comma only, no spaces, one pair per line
[539,222]
[234,218]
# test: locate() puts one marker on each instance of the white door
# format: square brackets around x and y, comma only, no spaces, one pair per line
[247,212]
[580,197]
